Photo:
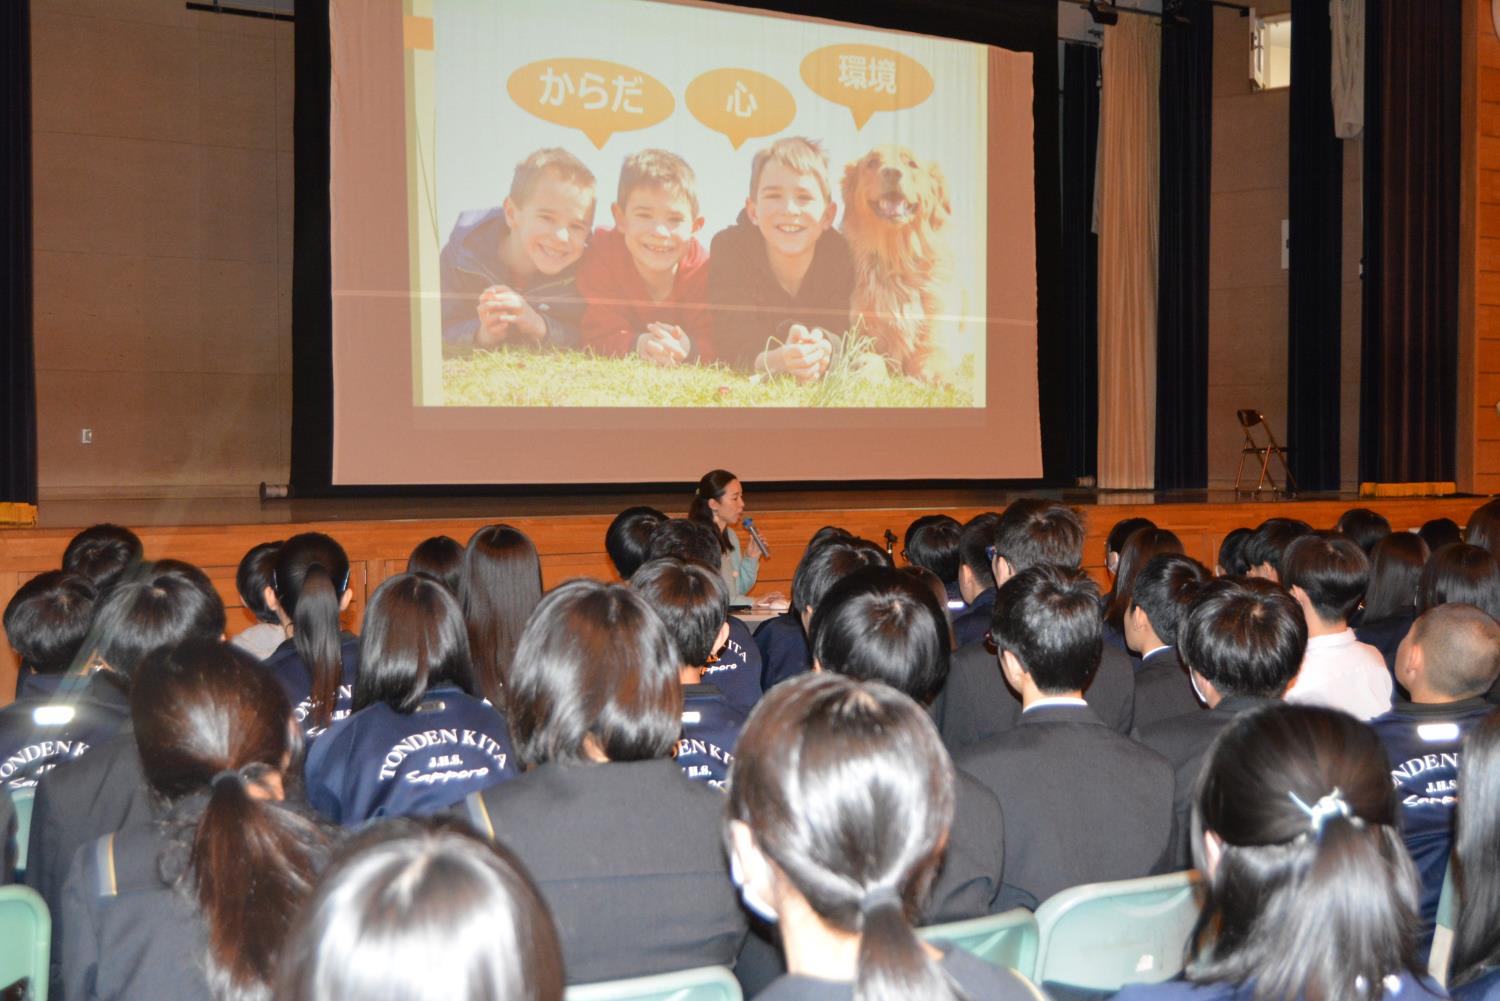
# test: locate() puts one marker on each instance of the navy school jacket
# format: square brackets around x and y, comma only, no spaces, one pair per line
[286,664]
[710,729]
[737,673]
[37,734]
[783,649]
[381,763]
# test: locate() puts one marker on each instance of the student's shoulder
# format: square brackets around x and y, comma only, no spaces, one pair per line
[983,981]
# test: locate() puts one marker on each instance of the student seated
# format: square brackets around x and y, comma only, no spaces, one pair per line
[255,575]
[1310,894]
[419,739]
[780,278]
[1242,642]
[881,624]
[1390,602]
[977,704]
[628,538]
[645,282]
[105,554]
[197,906]
[411,911]
[1142,546]
[1460,574]
[1082,803]
[163,604]
[625,849]
[317,662]
[976,578]
[46,622]
[1231,561]
[1267,546]
[840,807]
[1363,527]
[932,542]
[1114,544]
[1474,964]
[1162,591]
[1327,575]
[1483,528]
[507,273]
[1447,663]
[441,558]
[693,603]
[498,589]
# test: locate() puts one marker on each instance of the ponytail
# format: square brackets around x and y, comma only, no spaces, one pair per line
[315,631]
[252,867]
[711,488]
[892,963]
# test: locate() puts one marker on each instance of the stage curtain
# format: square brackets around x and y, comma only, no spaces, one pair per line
[1314,283]
[17,368]
[1128,197]
[1080,269]
[1413,86]
[1187,91]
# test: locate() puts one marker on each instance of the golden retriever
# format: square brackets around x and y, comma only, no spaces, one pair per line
[895,207]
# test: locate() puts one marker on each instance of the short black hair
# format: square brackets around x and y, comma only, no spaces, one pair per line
[1330,569]
[1363,526]
[691,600]
[977,535]
[256,572]
[1047,616]
[1164,589]
[628,538]
[932,542]
[1232,552]
[104,554]
[1122,530]
[440,557]
[1271,539]
[883,624]
[1245,635]
[823,566]
[414,638]
[685,540]
[1440,532]
[165,604]
[1033,532]
[47,620]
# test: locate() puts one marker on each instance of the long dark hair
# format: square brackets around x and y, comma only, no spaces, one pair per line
[1302,906]
[1395,568]
[413,640]
[711,488]
[1476,855]
[846,788]
[312,574]
[501,585]
[1460,574]
[1483,529]
[209,721]
[423,909]
[1140,546]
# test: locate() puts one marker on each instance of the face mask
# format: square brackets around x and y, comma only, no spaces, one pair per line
[752,900]
[1193,680]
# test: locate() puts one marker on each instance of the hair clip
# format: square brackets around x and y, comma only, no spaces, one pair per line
[1331,805]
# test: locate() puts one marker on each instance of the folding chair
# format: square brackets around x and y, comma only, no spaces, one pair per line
[1442,935]
[25,940]
[1249,421]
[1103,936]
[22,800]
[706,983]
[1007,940]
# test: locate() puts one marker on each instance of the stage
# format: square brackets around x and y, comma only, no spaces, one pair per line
[568,527]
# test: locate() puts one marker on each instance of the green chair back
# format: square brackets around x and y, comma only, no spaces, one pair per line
[22,800]
[706,983]
[1105,935]
[1008,940]
[25,939]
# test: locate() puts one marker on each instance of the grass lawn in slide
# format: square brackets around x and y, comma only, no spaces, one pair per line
[575,379]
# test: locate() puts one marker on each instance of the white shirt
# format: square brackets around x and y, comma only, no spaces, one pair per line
[1340,672]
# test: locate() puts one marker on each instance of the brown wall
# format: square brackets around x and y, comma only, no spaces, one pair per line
[163,211]
[1247,350]
[1479,365]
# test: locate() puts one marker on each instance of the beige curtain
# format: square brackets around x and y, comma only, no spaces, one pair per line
[1129,126]
[1347,18]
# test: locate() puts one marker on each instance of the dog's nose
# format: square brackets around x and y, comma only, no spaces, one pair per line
[890,173]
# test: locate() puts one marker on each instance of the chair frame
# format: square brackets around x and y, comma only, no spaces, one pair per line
[1249,421]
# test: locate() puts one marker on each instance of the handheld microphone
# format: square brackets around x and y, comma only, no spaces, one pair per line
[755,537]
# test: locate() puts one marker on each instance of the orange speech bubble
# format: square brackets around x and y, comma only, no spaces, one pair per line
[596,97]
[741,104]
[866,79]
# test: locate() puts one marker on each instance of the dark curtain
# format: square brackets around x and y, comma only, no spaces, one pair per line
[1187,91]
[1080,250]
[18,371]
[1408,386]
[1314,290]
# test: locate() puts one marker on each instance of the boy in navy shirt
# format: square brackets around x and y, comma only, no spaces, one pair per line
[1447,662]
[693,603]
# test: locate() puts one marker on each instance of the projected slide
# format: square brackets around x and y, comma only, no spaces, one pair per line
[633,204]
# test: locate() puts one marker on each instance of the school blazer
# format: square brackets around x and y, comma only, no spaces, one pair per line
[969,883]
[977,704]
[1082,803]
[1162,688]
[629,856]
